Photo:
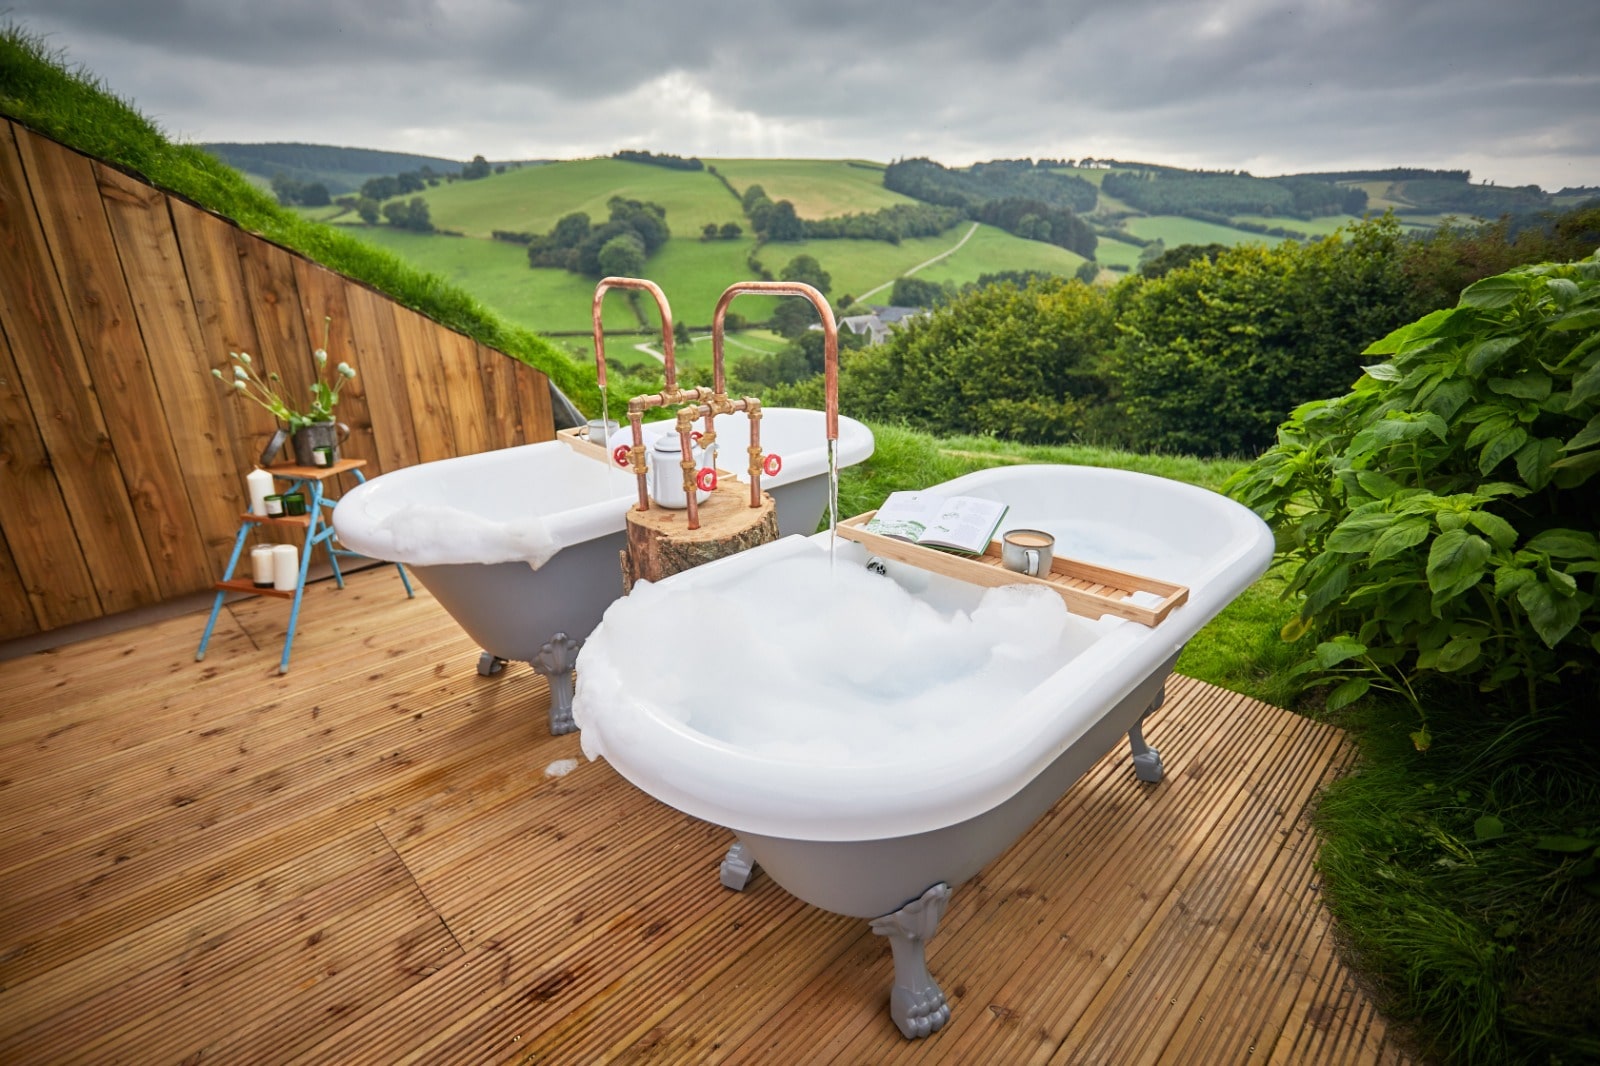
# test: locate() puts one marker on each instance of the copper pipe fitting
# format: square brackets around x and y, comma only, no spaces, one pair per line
[643,285]
[830,332]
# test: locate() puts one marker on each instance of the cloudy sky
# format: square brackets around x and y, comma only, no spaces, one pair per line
[1509,90]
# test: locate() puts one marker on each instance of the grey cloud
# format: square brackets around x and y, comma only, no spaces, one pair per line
[1315,83]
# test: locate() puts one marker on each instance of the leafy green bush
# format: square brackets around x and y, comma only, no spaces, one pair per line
[1021,364]
[1440,517]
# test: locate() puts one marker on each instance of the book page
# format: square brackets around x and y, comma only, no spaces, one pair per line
[966,523]
[907,514]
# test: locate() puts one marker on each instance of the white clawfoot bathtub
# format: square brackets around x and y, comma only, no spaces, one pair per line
[885,834]
[521,545]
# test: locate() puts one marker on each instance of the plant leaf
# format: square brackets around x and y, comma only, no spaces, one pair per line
[1359,532]
[1455,563]
[1382,372]
[1458,654]
[1566,544]
[1533,385]
[1552,615]
[1488,827]
[1347,692]
[1534,460]
[1589,434]
[1498,291]
[1331,653]
[1406,533]
[1497,529]
[1422,740]
[1501,448]
[1487,354]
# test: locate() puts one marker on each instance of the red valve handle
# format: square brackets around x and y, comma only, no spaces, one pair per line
[620,454]
[696,435]
[706,479]
[773,464]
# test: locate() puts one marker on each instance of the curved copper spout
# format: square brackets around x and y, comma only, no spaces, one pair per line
[666,325]
[830,332]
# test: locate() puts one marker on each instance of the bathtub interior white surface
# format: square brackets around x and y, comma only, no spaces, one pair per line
[978,769]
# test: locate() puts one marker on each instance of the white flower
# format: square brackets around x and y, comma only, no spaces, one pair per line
[346,370]
[322,357]
[243,357]
[239,373]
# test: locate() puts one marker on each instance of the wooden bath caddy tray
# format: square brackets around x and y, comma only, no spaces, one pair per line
[577,438]
[1087,589]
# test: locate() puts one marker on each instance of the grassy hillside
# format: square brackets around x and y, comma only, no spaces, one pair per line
[341,170]
[532,199]
[818,188]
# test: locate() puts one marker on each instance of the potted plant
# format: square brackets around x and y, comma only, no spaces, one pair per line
[310,428]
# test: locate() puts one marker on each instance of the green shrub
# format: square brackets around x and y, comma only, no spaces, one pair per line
[1440,518]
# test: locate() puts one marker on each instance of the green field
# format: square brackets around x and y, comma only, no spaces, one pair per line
[533,198]
[498,275]
[1175,230]
[818,188]
[1311,227]
[991,251]
[1111,252]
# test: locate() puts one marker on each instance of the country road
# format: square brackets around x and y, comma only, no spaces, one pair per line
[926,262]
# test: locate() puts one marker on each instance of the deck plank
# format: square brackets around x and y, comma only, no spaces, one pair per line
[390,873]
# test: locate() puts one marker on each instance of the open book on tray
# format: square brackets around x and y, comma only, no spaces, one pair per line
[961,523]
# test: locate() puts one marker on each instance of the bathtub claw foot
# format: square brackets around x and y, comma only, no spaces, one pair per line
[555,661]
[1146,760]
[737,866]
[490,664]
[916,1003]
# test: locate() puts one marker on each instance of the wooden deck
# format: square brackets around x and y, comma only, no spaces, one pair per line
[366,861]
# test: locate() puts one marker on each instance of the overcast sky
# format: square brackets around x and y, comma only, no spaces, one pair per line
[1509,90]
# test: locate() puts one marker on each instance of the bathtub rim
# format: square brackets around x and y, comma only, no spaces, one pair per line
[762,795]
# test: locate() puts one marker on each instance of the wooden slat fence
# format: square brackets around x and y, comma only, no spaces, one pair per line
[122,460]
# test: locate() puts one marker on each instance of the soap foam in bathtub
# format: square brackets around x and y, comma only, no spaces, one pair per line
[432,535]
[833,667]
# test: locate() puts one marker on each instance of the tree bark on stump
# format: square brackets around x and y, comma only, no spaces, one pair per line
[660,542]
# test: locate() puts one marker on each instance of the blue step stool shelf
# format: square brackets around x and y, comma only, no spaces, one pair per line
[317,530]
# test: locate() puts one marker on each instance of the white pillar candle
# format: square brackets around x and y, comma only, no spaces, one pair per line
[260,485]
[285,567]
[262,571]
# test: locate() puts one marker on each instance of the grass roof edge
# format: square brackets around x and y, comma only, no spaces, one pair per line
[42,91]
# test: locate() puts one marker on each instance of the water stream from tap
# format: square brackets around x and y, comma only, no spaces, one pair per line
[833,499]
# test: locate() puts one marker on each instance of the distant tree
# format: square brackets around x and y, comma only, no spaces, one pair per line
[784,224]
[1160,264]
[478,168]
[382,188]
[286,189]
[570,231]
[1087,271]
[367,208]
[752,196]
[914,292]
[409,182]
[806,269]
[622,256]
[792,317]
[680,334]
[411,215]
[731,231]
[709,232]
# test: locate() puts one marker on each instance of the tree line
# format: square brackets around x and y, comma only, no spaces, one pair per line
[634,231]
[1207,353]
[1030,200]
[1171,192]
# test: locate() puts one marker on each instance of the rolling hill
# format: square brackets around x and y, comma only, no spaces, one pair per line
[522,199]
